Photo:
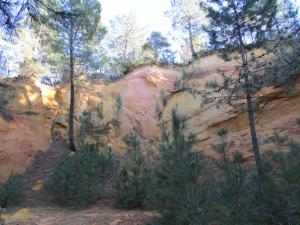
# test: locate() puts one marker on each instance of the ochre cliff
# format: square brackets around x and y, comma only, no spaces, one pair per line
[29,128]
[277,110]
[40,112]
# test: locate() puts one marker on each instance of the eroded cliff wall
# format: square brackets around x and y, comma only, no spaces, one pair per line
[39,112]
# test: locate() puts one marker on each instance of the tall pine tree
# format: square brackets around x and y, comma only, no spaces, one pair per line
[240,25]
[188,18]
[77,28]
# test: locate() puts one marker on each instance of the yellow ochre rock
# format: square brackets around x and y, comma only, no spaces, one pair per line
[149,94]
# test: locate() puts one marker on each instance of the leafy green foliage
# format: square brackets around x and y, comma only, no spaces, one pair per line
[183,191]
[285,67]
[290,182]
[11,192]
[233,26]
[6,94]
[109,164]
[161,48]
[298,122]
[85,126]
[178,191]
[78,21]
[118,104]
[244,197]
[77,180]
[231,185]
[6,113]
[188,18]
[181,83]
[99,110]
[133,180]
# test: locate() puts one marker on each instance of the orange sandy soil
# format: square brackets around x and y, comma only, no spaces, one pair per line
[102,214]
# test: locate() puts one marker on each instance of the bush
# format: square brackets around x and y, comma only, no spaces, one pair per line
[6,94]
[178,191]
[11,192]
[77,179]
[244,198]
[133,179]
[6,113]
[109,164]
[184,193]
[289,183]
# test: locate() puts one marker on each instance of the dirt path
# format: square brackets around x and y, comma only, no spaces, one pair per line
[97,215]
[38,173]
[38,209]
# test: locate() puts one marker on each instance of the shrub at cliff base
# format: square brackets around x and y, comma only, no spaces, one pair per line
[178,191]
[133,180]
[181,188]
[11,192]
[77,180]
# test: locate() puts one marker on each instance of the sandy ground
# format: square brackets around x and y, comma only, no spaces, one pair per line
[97,215]
[36,208]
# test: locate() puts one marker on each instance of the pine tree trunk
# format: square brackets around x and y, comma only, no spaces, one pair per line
[72,91]
[193,51]
[250,107]
[247,90]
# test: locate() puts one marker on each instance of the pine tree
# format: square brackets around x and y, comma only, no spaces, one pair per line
[286,49]
[13,13]
[231,184]
[244,198]
[188,18]
[240,25]
[77,180]
[132,181]
[161,47]
[11,192]
[118,104]
[77,28]
[125,37]
[179,192]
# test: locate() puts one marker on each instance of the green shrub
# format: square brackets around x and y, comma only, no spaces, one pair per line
[298,122]
[179,185]
[6,94]
[290,183]
[244,198]
[109,164]
[6,113]
[77,179]
[132,181]
[178,192]
[183,192]
[11,192]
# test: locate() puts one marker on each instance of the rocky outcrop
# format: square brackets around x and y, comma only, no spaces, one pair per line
[27,130]
[39,112]
[140,90]
[277,110]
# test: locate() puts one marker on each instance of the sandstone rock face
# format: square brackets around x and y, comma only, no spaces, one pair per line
[40,113]
[148,94]
[277,110]
[28,131]
[140,90]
